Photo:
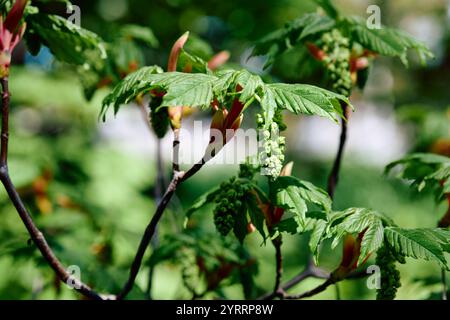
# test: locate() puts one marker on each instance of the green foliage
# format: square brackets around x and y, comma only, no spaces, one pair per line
[425,170]
[310,28]
[207,261]
[140,34]
[294,195]
[385,41]
[426,244]
[67,41]
[199,90]
[281,40]
[356,220]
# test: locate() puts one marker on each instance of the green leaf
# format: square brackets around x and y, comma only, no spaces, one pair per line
[140,34]
[296,31]
[304,99]
[198,90]
[194,64]
[67,41]
[129,88]
[203,200]
[426,244]
[182,89]
[293,194]
[240,225]
[356,220]
[424,170]
[386,41]
[256,215]
[318,233]
[317,24]
[328,7]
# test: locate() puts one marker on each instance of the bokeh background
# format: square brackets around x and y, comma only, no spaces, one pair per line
[90,185]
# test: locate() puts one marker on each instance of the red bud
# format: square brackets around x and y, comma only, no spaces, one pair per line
[175,52]
[218,60]
[15,15]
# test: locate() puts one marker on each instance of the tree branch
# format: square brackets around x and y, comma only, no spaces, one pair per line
[333,178]
[322,287]
[178,178]
[36,235]
[311,271]
[277,242]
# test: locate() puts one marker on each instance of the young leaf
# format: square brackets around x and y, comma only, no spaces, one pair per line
[426,244]
[67,41]
[256,215]
[386,41]
[191,63]
[141,34]
[328,7]
[203,200]
[129,88]
[425,169]
[301,98]
[198,90]
[293,194]
[357,220]
[181,89]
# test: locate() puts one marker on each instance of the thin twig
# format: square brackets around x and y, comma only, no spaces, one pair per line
[311,271]
[176,150]
[322,287]
[334,175]
[36,235]
[178,178]
[277,242]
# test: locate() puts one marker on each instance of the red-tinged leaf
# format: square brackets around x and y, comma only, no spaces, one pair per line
[15,15]
[175,52]
[218,60]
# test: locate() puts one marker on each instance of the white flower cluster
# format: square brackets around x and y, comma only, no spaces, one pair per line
[271,156]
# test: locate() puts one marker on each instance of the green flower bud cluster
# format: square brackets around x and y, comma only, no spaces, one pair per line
[158,119]
[247,170]
[337,61]
[271,156]
[229,202]
[390,276]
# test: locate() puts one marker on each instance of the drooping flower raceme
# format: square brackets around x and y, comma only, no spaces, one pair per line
[271,156]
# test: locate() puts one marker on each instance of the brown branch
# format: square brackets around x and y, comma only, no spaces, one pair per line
[176,150]
[36,235]
[277,242]
[333,178]
[311,271]
[178,178]
[322,287]
[5,122]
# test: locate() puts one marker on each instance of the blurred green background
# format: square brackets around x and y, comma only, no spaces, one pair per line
[91,185]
